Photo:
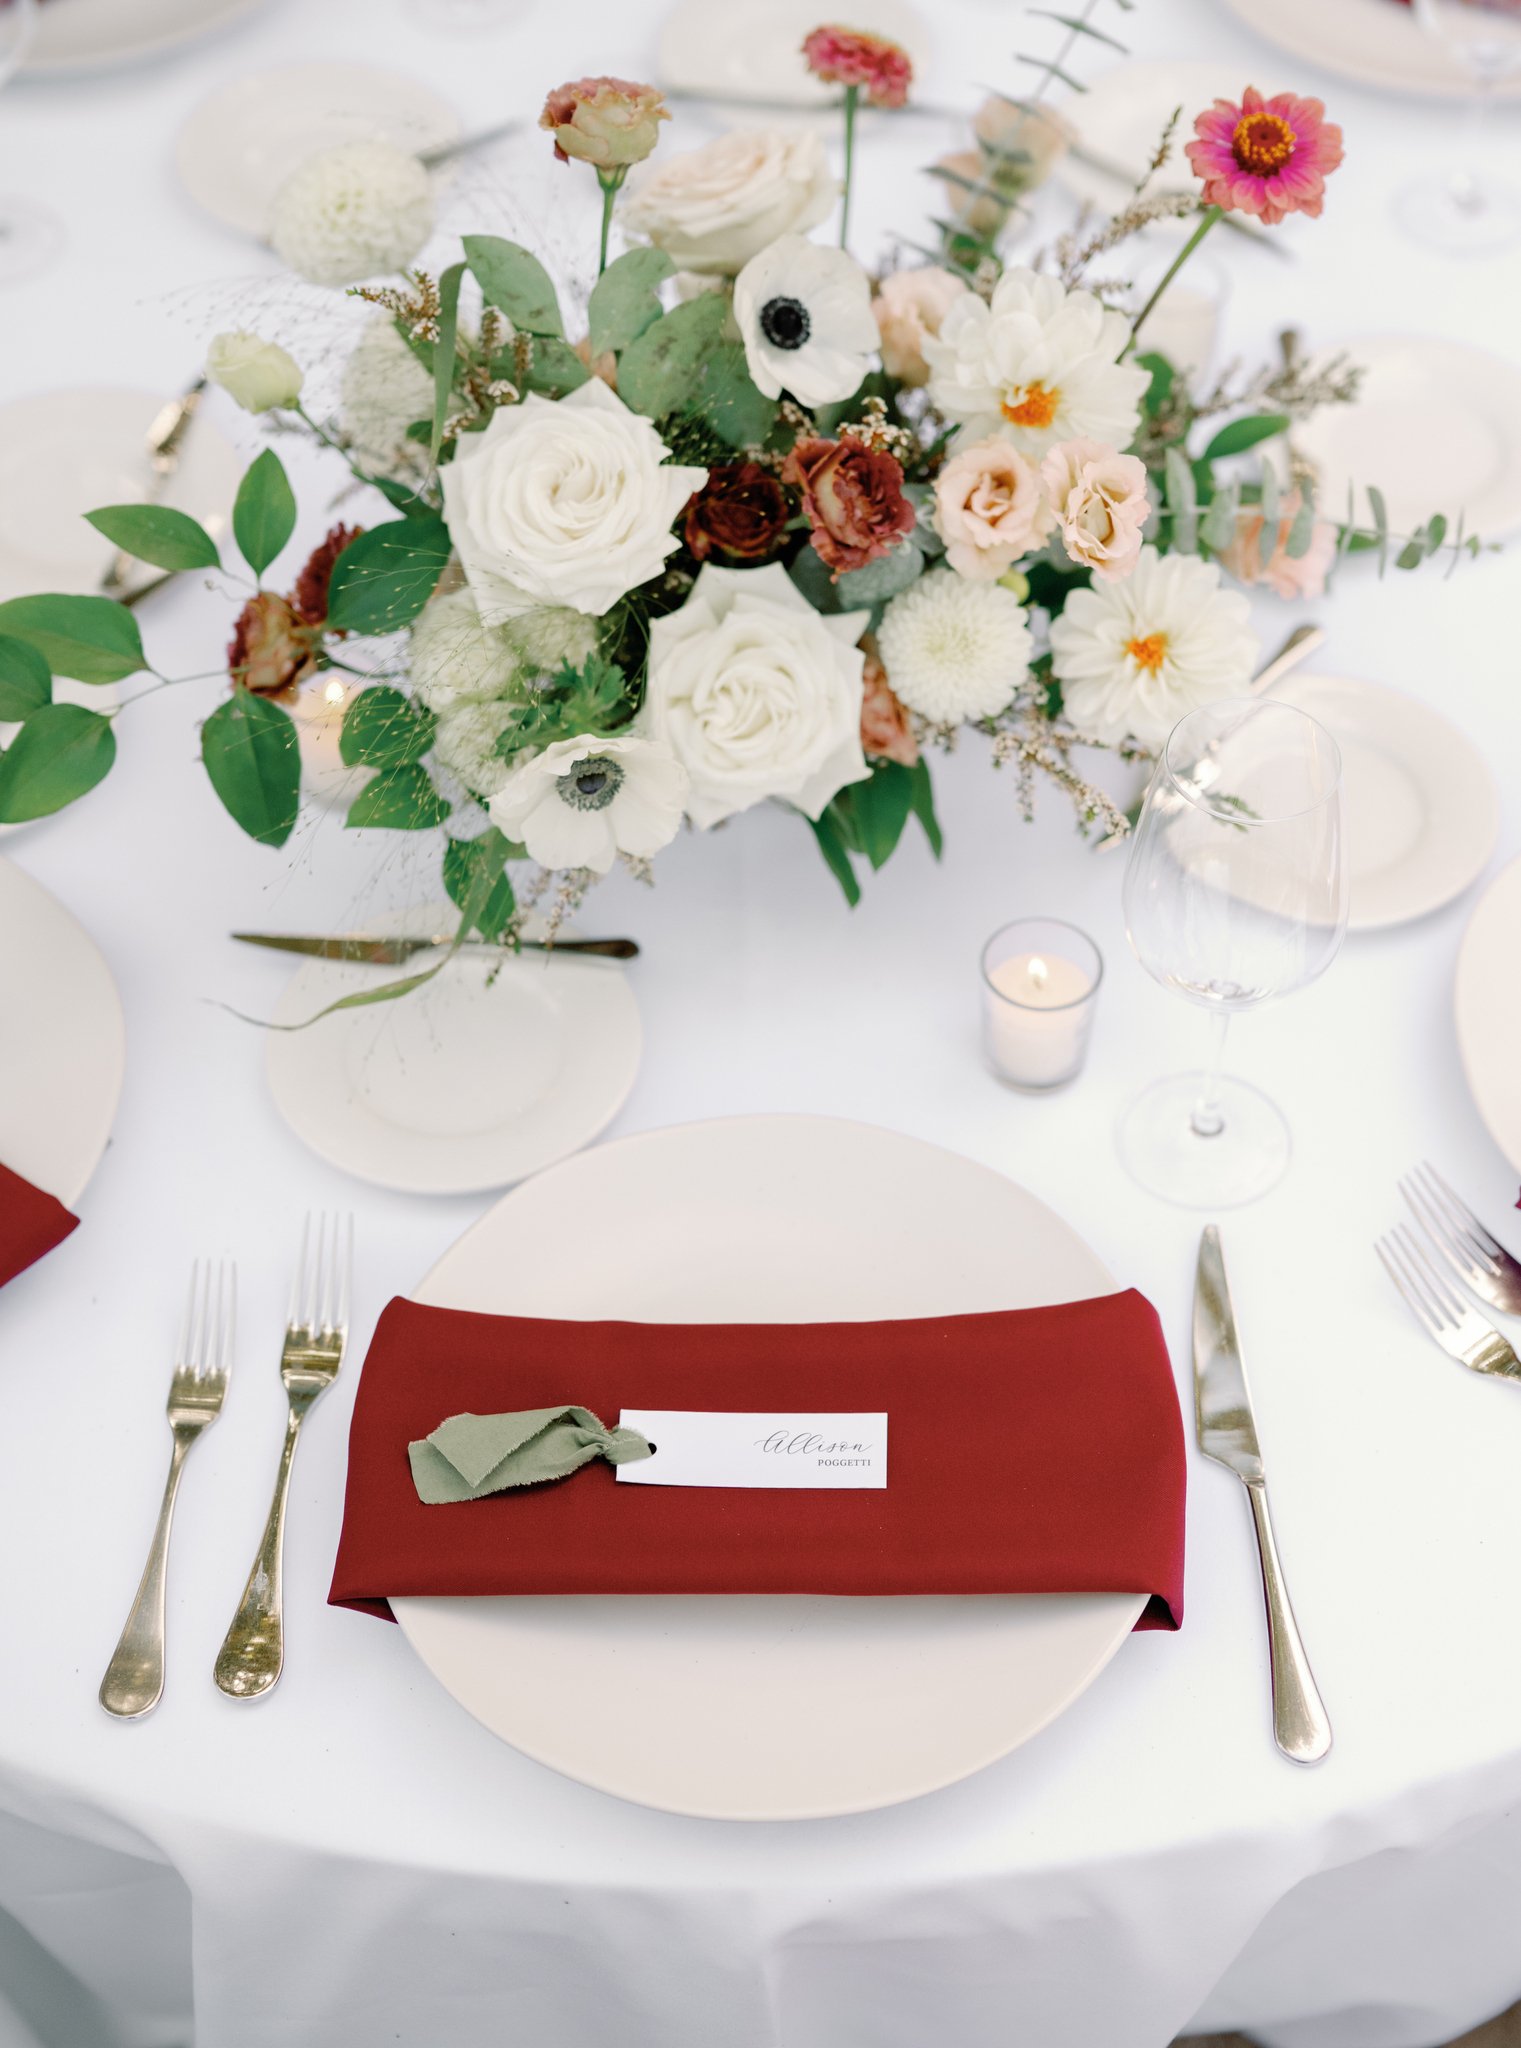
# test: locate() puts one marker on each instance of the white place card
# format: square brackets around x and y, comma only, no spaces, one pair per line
[712,1447]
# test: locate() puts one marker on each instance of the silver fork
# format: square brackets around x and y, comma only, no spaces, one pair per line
[253,1650]
[1479,1260]
[134,1680]
[1441,1310]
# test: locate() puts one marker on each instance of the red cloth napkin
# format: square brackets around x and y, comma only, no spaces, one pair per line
[1030,1451]
[31,1223]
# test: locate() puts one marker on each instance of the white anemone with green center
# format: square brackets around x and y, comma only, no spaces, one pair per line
[805,317]
[583,801]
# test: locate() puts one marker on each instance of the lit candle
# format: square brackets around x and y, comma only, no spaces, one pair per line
[1040,984]
[318,712]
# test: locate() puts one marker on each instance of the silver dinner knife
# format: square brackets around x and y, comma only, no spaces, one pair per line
[1227,1432]
[390,951]
[164,441]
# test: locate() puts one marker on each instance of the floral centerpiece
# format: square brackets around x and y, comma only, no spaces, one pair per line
[755,523]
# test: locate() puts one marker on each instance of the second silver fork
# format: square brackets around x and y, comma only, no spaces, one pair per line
[253,1651]
[1479,1259]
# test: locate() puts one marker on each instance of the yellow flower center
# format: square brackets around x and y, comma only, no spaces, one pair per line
[1262,143]
[1031,405]
[1148,653]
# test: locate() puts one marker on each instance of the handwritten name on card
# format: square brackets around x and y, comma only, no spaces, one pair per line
[713,1447]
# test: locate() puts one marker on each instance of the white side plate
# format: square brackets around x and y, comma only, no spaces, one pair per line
[752,49]
[1373,41]
[767,1708]
[92,35]
[1486,1004]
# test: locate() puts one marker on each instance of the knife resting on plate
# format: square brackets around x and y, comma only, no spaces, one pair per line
[393,950]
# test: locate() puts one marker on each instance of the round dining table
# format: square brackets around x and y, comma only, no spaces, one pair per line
[353,1861]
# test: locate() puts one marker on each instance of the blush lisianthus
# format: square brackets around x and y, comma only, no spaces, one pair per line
[853,57]
[1100,502]
[1267,157]
[989,509]
[909,305]
[608,123]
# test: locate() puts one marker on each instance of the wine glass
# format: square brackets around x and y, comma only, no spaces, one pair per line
[30,234]
[1469,212]
[1235,892]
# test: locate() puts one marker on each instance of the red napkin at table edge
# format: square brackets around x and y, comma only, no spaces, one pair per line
[1030,1450]
[31,1223]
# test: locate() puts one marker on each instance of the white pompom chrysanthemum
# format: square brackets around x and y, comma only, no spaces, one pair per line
[550,635]
[458,660]
[955,650]
[385,390]
[352,212]
[465,743]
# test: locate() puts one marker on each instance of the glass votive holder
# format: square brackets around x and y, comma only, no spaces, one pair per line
[1040,984]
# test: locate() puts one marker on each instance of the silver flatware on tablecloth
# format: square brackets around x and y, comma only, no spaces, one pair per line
[1441,1310]
[1478,1259]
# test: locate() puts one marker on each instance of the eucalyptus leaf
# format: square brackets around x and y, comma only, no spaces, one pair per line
[1182,502]
[264,511]
[1436,532]
[657,374]
[92,639]
[61,751]
[554,368]
[1218,528]
[157,534]
[625,299]
[1245,433]
[1267,537]
[253,758]
[515,281]
[443,354]
[386,576]
[399,800]
[26,681]
[1302,529]
[729,396]
[883,578]
[384,728]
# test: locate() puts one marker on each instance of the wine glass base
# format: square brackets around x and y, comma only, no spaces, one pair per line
[31,237]
[1433,214]
[1161,1149]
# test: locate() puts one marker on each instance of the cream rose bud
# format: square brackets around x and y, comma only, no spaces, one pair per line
[989,509]
[910,304]
[712,209]
[1099,500]
[609,123]
[757,694]
[566,502]
[260,375]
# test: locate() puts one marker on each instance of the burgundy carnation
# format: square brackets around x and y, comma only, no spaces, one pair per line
[741,513]
[854,500]
[270,649]
[310,594]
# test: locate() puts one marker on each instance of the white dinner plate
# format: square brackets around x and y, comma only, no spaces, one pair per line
[491,1072]
[1487,1003]
[91,35]
[752,49]
[1120,119]
[1422,808]
[244,140]
[62,1041]
[1375,42]
[767,1708]
[1436,427]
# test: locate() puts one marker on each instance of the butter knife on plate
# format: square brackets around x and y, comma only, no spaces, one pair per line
[391,950]
[1227,1432]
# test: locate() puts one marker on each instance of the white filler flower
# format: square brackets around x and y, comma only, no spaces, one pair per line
[1133,657]
[455,658]
[582,802]
[758,694]
[1037,365]
[805,316]
[566,502]
[352,212]
[464,742]
[955,650]
[385,390]
[712,209]
[260,375]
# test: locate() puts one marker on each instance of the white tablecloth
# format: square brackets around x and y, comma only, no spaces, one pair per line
[354,1861]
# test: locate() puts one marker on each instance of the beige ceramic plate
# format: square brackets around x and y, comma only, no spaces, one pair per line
[1487,1002]
[767,1708]
[90,35]
[1377,42]
[751,49]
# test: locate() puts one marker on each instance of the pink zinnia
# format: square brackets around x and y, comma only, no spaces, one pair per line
[848,56]
[1268,157]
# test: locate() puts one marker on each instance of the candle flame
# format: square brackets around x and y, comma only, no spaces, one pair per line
[1040,974]
[334,692]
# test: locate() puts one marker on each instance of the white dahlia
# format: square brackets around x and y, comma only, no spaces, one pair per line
[805,317]
[955,650]
[465,740]
[1134,656]
[456,657]
[385,390]
[352,212]
[1037,365]
[582,802]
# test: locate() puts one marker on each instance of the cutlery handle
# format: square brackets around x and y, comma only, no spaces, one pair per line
[609,949]
[134,1680]
[1301,1726]
[253,1649]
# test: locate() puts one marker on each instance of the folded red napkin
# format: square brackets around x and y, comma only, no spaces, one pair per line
[31,1223]
[1030,1451]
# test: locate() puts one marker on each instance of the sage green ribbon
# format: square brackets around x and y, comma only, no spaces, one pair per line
[470,1455]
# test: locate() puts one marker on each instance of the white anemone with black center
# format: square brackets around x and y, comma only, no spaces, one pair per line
[805,317]
[583,801]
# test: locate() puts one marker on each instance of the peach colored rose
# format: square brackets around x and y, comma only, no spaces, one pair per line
[887,733]
[989,509]
[1025,143]
[853,499]
[1285,575]
[1099,499]
[608,123]
[909,305]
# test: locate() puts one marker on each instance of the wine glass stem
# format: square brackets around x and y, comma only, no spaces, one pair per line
[1466,183]
[1208,1120]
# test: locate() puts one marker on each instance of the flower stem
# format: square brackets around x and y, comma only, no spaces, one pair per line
[852,95]
[1211,215]
[609,181]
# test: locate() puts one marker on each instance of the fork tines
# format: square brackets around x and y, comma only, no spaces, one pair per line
[1478,1258]
[207,1327]
[323,1280]
[1440,1308]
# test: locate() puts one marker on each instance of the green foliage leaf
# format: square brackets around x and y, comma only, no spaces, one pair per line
[264,511]
[385,728]
[625,301]
[884,578]
[831,841]
[26,681]
[61,751]
[1436,532]
[554,368]
[517,282]
[661,371]
[157,534]
[593,698]
[1162,375]
[1413,553]
[400,800]
[1267,535]
[253,757]
[1245,433]
[386,576]
[475,875]
[1302,528]
[1182,502]
[873,813]
[1218,529]
[443,353]
[92,639]
[740,412]
[922,803]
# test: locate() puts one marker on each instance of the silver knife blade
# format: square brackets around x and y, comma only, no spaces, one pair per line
[372,952]
[1223,1420]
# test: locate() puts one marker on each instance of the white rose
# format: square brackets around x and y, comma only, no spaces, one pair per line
[260,375]
[565,502]
[757,693]
[712,209]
